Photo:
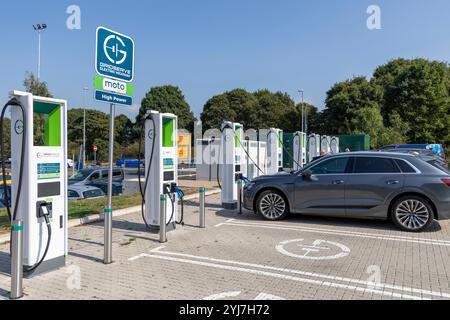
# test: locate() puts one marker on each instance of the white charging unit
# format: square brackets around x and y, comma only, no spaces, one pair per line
[300,141]
[314,142]
[274,151]
[44,180]
[161,137]
[232,162]
[334,145]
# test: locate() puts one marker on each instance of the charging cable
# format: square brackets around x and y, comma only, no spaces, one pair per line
[144,191]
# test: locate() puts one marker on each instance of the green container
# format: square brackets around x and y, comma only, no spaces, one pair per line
[288,150]
[354,143]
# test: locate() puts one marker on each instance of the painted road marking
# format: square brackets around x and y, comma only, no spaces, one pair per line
[375,236]
[369,284]
[222,296]
[287,277]
[315,248]
[233,294]
[223,223]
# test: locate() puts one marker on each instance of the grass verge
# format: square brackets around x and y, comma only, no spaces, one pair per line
[84,208]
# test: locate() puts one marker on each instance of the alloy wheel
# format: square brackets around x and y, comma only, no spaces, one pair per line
[272,206]
[412,214]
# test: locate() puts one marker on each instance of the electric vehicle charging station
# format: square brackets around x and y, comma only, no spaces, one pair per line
[232,162]
[274,151]
[334,145]
[314,142]
[300,150]
[43,201]
[250,169]
[325,144]
[161,168]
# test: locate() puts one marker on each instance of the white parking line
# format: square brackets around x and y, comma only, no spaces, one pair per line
[228,265]
[286,277]
[444,243]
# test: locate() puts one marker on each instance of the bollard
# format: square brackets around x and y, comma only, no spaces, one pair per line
[162,219]
[202,208]
[108,236]
[239,196]
[16,260]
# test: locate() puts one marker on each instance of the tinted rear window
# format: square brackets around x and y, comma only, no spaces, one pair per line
[439,166]
[405,167]
[375,165]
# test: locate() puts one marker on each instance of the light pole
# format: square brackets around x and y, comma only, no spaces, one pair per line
[85,89]
[303,110]
[39,28]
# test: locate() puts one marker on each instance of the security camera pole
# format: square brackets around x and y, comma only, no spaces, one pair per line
[39,28]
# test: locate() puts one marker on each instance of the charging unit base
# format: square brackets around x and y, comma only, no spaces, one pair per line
[45,267]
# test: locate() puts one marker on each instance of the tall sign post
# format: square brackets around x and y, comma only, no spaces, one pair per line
[114,64]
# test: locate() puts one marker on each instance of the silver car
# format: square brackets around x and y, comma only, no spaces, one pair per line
[80,192]
[371,185]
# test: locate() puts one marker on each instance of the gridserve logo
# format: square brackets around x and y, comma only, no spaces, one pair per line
[115,55]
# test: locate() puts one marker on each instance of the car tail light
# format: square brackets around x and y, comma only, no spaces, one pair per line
[446,181]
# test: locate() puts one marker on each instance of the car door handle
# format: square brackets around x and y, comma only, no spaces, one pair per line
[392,182]
[338,182]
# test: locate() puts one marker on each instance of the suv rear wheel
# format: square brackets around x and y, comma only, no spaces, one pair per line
[412,214]
[272,205]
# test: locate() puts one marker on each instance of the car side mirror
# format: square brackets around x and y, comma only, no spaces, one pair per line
[308,176]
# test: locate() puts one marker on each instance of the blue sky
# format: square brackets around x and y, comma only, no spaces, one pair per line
[209,46]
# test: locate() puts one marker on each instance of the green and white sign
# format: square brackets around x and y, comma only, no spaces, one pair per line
[111,85]
[114,63]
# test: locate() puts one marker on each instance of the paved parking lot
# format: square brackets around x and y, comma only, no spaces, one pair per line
[245,257]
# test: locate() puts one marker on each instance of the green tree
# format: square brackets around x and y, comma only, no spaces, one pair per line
[35,86]
[275,110]
[167,99]
[294,120]
[344,100]
[97,131]
[123,130]
[418,90]
[262,109]
[237,105]
[7,138]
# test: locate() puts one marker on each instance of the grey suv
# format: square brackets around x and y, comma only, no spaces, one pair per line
[371,185]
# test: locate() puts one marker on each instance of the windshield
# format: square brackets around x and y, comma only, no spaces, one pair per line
[80,176]
[309,165]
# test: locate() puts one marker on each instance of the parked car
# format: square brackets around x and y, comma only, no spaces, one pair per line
[117,187]
[397,186]
[95,175]
[429,154]
[80,192]
[436,148]
[2,195]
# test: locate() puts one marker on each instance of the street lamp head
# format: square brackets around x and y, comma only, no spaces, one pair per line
[39,27]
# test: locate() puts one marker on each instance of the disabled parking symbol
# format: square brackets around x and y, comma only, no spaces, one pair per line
[318,250]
